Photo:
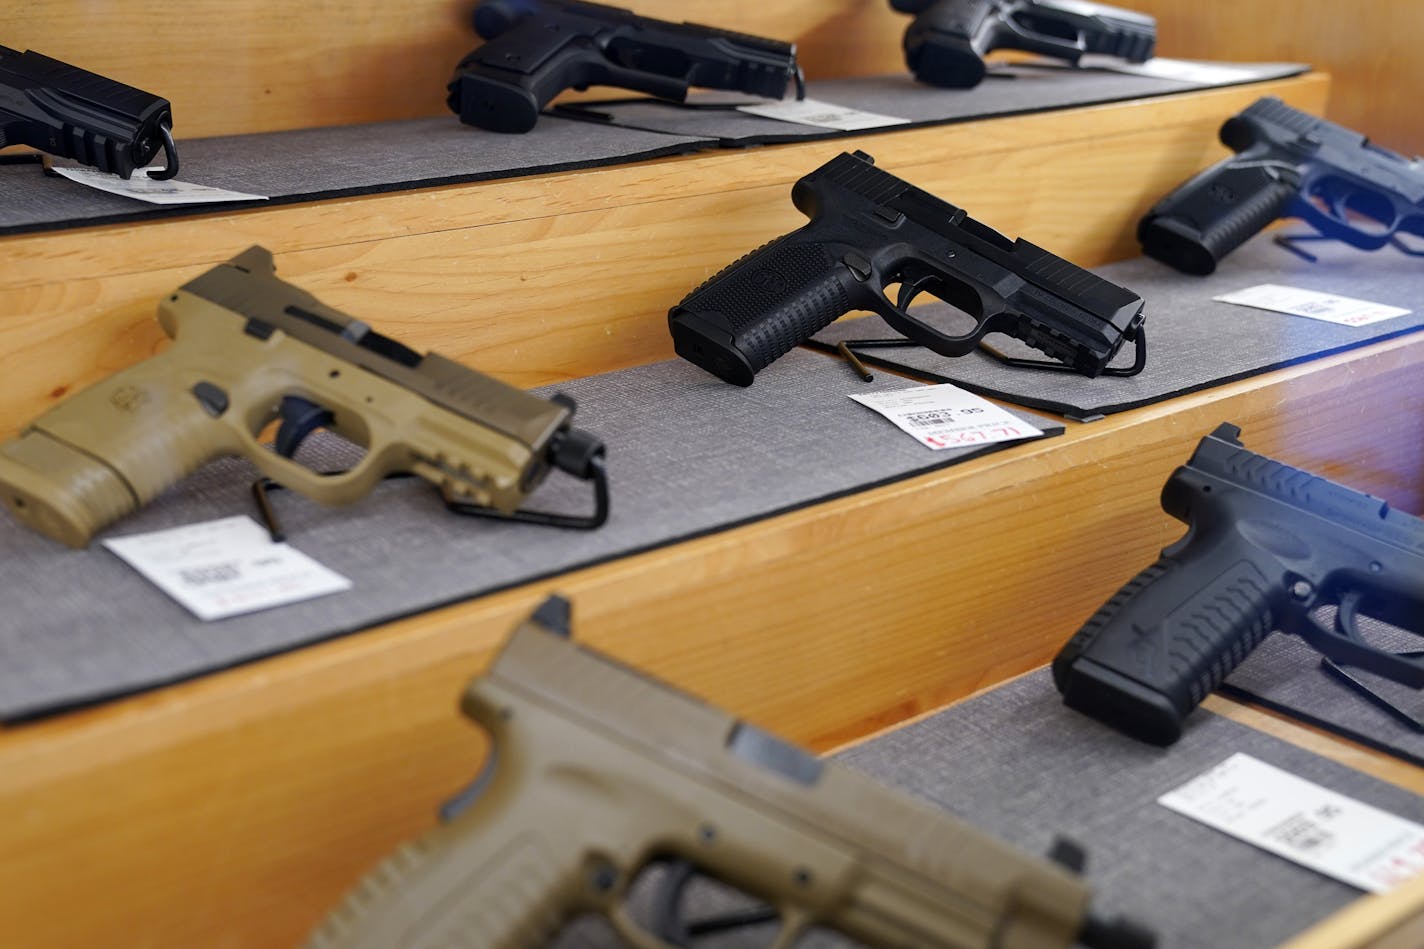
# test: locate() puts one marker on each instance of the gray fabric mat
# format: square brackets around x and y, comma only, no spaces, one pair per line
[1284,674]
[1009,90]
[1193,342]
[309,164]
[687,455]
[1018,764]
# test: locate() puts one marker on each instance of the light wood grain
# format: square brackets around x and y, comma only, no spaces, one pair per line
[1323,743]
[234,809]
[1370,48]
[544,279]
[270,64]
[1389,921]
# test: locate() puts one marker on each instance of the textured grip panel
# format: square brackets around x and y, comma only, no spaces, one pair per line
[757,309]
[1213,214]
[1163,642]
[512,900]
[1130,41]
[945,45]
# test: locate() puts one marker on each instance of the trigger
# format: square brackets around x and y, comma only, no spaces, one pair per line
[911,289]
[300,417]
[1345,622]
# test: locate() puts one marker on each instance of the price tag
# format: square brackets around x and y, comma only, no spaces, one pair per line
[143,188]
[1303,822]
[945,416]
[1318,306]
[826,115]
[226,567]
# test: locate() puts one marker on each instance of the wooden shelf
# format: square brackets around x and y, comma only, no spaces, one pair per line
[236,808]
[553,277]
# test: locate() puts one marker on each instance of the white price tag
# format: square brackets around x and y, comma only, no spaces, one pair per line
[826,115]
[1182,70]
[1303,822]
[144,188]
[945,416]
[1318,306]
[222,568]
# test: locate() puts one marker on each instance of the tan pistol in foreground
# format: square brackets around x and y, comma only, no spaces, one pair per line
[595,770]
[249,349]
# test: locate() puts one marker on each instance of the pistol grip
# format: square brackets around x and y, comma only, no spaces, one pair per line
[1166,639]
[760,307]
[107,450]
[946,44]
[1214,213]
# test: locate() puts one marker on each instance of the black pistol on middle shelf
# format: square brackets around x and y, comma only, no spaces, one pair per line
[869,230]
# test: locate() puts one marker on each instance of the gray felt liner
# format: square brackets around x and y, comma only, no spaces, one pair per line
[310,164]
[1284,674]
[1010,90]
[332,162]
[687,455]
[1017,764]
[1193,342]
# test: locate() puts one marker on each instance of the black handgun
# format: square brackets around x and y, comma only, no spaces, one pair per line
[73,113]
[1268,547]
[946,43]
[536,49]
[869,230]
[1288,164]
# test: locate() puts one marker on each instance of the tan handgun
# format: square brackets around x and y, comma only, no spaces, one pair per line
[249,349]
[596,770]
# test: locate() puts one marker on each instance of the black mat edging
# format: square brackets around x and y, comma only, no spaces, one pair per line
[590,114]
[1295,713]
[1072,412]
[44,706]
[151,212]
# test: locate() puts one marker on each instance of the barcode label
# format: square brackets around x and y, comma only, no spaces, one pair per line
[826,115]
[1293,818]
[226,567]
[940,417]
[946,416]
[1346,311]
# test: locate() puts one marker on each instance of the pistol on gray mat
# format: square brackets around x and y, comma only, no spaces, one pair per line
[250,349]
[1288,164]
[536,49]
[597,772]
[1268,547]
[73,113]
[947,41]
[869,230]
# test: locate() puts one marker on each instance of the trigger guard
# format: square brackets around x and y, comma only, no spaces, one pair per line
[634,935]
